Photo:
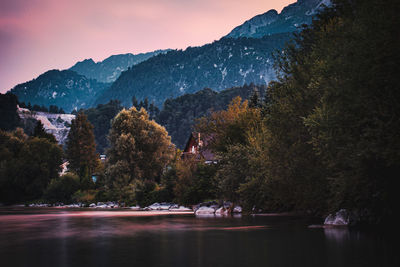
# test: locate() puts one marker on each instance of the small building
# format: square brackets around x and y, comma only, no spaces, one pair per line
[196,147]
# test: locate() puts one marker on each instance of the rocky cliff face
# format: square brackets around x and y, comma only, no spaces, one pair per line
[56,124]
[289,20]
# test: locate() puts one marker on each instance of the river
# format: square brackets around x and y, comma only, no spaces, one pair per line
[60,237]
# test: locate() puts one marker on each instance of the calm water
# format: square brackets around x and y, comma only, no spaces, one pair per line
[35,237]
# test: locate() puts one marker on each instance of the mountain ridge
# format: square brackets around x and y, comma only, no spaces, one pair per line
[63,88]
[271,22]
[108,70]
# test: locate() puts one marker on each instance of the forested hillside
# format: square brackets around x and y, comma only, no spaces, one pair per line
[65,89]
[222,64]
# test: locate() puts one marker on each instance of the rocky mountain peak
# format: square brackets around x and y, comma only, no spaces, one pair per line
[289,20]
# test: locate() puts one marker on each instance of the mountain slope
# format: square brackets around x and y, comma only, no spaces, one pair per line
[65,89]
[222,64]
[108,70]
[289,20]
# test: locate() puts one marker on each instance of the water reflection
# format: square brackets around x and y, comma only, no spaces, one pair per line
[337,234]
[74,238]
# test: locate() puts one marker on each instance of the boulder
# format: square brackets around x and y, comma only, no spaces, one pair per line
[237,209]
[205,211]
[154,206]
[135,207]
[342,217]
[222,211]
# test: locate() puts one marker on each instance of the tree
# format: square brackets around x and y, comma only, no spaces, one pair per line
[140,149]
[100,117]
[227,127]
[135,102]
[230,130]
[61,189]
[27,165]
[40,132]
[81,148]
[255,99]
[9,118]
[331,116]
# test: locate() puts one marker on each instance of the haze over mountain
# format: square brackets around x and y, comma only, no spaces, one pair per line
[244,56]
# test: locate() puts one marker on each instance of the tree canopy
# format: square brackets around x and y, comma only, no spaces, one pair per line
[140,150]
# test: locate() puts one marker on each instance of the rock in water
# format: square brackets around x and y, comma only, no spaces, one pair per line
[205,211]
[342,217]
[221,211]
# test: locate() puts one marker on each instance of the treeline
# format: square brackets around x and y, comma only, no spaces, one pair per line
[27,164]
[52,108]
[323,137]
[326,136]
[101,116]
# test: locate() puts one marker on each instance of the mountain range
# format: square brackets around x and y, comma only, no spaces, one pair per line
[243,56]
[108,70]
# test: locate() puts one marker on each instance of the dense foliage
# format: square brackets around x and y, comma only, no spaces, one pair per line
[100,117]
[27,165]
[179,115]
[326,136]
[81,149]
[140,150]
[9,118]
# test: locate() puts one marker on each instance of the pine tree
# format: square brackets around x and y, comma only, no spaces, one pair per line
[255,101]
[40,132]
[135,102]
[81,147]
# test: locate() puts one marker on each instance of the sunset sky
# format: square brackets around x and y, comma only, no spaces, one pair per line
[39,35]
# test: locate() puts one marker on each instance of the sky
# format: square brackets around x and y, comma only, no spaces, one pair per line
[39,35]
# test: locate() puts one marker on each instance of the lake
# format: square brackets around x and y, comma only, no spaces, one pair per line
[60,237]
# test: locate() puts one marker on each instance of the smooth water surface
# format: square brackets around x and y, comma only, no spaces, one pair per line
[58,237]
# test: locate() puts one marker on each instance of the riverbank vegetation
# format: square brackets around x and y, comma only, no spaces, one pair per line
[324,136]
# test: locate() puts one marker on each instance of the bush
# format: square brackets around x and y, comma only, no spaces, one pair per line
[61,189]
[86,196]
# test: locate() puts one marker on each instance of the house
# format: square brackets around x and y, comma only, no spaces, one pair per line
[196,147]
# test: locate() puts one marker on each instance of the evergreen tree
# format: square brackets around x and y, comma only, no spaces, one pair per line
[135,102]
[255,101]
[100,117]
[40,132]
[81,148]
[146,104]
